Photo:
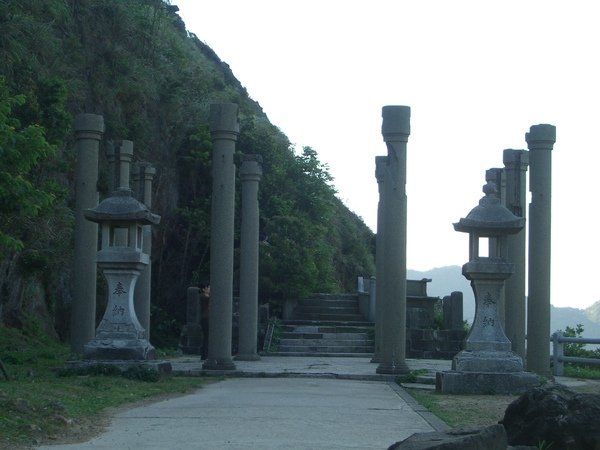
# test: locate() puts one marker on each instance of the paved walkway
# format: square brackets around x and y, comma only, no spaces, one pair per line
[307,366]
[291,402]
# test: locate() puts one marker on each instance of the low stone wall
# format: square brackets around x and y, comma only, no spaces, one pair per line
[434,344]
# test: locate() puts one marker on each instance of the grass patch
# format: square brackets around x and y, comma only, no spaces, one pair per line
[37,405]
[585,372]
[464,410]
[411,377]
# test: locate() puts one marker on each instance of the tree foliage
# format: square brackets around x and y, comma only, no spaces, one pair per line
[135,63]
[22,148]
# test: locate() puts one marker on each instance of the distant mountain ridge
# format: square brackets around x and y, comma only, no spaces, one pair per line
[446,279]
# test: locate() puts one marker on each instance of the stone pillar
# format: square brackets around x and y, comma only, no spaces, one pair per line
[380,162]
[540,141]
[119,156]
[250,174]
[224,129]
[395,130]
[143,174]
[496,175]
[515,169]
[88,132]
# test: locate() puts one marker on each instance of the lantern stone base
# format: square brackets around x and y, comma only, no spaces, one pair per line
[108,349]
[453,382]
[486,372]
[487,361]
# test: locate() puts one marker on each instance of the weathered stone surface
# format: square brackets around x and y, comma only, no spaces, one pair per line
[489,438]
[454,382]
[555,415]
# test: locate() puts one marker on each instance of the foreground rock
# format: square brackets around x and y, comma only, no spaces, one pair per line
[555,416]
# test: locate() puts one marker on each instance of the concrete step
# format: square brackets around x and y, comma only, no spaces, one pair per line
[329,317]
[321,296]
[311,302]
[326,310]
[322,354]
[326,348]
[428,378]
[327,336]
[329,342]
[327,323]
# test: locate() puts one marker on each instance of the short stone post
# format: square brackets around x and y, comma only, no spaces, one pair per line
[395,130]
[453,311]
[380,163]
[540,141]
[515,168]
[250,174]
[224,128]
[88,133]
[192,335]
[143,175]
[372,299]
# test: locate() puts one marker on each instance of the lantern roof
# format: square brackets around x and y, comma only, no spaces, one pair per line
[490,217]
[121,206]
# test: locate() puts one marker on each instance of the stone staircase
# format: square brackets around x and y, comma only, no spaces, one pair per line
[326,325]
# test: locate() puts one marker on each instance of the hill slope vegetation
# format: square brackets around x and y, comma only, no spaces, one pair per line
[135,63]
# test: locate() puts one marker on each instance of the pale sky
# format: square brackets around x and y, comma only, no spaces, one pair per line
[476,75]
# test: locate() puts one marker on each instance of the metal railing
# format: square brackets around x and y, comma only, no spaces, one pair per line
[558,353]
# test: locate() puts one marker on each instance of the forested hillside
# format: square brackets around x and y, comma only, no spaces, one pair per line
[134,62]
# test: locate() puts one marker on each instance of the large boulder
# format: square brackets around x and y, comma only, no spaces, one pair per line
[556,417]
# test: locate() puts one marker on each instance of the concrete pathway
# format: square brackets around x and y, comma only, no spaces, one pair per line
[268,413]
[349,368]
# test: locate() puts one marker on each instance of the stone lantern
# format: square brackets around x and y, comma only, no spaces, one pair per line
[121,258]
[487,364]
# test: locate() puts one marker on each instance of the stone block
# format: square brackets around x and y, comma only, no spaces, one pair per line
[453,382]
[482,361]
[489,438]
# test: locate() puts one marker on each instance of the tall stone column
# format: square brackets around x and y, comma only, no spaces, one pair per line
[540,141]
[224,129]
[143,174]
[88,133]
[515,169]
[395,130]
[250,174]
[380,163]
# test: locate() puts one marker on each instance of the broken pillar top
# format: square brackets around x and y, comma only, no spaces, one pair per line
[89,123]
[396,122]
[251,166]
[511,157]
[490,217]
[541,136]
[224,119]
